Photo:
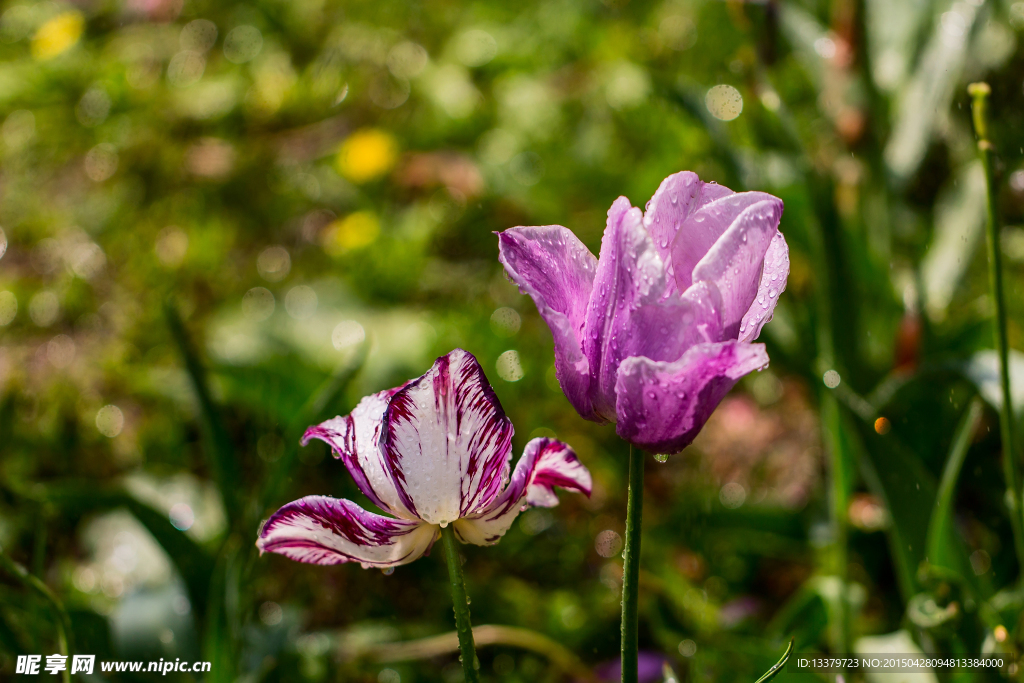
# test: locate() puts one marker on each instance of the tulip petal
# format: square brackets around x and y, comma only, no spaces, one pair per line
[446,440]
[702,229]
[546,463]
[773,282]
[551,265]
[324,530]
[677,198]
[634,310]
[355,439]
[662,406]
[735,261]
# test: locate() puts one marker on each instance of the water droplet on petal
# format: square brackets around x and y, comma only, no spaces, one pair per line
[661,457]
[443,524]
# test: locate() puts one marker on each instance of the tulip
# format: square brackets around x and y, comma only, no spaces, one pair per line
[655,332]
[434,454]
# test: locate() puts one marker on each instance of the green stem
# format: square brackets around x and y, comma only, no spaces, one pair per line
[631,567]
[61,619]
[979,93]
[839,470]
[461,603]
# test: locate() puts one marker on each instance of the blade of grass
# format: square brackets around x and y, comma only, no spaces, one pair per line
[940,528]
[220,634]
[61,619]
[309,413]
[774,671]
[220,452]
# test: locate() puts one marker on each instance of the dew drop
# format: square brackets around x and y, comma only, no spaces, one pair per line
[443,524]
[661,457]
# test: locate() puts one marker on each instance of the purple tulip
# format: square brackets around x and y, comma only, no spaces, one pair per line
[653,334]
[432,452]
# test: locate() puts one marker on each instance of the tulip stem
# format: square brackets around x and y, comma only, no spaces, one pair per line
[631,566]
[979,94]
[460,601]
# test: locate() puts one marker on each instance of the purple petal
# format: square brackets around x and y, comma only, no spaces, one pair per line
[701,229]
[662,406]
[323,530]
[677,198]
[634,310]
[355,439]
[551,265]
[664,330]
[546,463]
[773,282]
[446,440]
[735,261]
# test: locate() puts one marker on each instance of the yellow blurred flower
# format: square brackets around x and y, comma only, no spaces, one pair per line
[57,35]
[367,154]
[354,231]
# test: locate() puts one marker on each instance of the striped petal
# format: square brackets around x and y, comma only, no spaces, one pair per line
[446,440]
[551,265]
[323,530]
[355,439]
[546,463]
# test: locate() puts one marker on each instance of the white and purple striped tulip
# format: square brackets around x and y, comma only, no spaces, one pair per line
[655,332]
[433,452]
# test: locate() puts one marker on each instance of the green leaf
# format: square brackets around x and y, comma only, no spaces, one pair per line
[191,560]
[220,451]
[311,412]
[945,546]
[894,473]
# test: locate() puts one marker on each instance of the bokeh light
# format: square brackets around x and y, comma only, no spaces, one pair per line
[109,421]
[367,155]
[724,102]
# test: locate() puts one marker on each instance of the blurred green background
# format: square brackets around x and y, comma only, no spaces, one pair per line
[222,222]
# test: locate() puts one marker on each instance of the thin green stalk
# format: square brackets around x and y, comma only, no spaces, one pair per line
[979,93]
[839,470]
[631,566]
[61,619]
[461,604]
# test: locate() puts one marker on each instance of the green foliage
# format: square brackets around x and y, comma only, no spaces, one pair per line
[223,222]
